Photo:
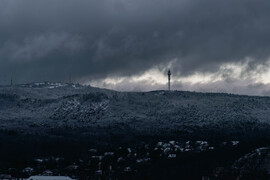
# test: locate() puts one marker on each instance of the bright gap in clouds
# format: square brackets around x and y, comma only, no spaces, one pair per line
[230,78]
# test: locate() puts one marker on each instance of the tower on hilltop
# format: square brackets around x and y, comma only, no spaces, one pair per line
[169,80]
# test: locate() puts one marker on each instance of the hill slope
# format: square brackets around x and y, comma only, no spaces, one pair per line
[48,108]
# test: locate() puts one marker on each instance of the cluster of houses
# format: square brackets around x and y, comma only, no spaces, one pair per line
[111,163]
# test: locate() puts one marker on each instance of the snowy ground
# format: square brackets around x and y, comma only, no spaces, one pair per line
[40,108]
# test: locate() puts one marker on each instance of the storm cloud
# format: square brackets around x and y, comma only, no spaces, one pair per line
[97,39]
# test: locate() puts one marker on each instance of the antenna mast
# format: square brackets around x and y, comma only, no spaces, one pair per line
[169,80]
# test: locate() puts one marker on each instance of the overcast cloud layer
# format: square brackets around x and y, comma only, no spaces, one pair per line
[96,39]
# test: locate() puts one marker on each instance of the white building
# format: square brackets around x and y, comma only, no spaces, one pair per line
[49,178]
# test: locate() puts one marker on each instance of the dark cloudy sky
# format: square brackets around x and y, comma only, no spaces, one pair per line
[210,45]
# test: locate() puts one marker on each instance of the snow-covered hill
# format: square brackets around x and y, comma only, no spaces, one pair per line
[50,108]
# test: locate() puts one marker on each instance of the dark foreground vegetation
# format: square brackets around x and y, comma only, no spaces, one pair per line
[144,160]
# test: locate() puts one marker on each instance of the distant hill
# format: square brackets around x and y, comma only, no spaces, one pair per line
[72,110]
